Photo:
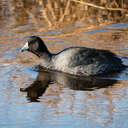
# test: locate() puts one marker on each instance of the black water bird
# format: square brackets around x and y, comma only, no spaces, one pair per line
[80,61]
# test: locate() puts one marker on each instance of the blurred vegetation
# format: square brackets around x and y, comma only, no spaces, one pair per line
[57,13]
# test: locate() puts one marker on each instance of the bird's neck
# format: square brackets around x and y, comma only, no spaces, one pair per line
[46,60]
[43,55]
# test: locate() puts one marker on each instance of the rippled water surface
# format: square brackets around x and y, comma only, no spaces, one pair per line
[31,99]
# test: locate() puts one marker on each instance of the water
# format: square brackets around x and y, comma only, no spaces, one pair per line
[30,99]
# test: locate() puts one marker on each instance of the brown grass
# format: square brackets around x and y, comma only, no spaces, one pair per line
[59,13]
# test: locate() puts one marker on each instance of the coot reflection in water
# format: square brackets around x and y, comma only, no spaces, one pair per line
[44,78]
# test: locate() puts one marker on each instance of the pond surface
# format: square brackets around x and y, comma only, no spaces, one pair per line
[31,99]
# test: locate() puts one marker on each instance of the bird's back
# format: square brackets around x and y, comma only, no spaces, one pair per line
[87,61]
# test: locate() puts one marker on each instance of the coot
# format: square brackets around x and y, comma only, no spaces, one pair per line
[75,60]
